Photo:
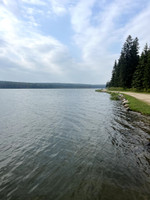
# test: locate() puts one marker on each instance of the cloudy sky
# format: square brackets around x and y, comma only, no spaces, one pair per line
[73,41]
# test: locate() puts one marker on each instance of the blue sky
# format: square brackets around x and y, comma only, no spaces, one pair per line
[73,41]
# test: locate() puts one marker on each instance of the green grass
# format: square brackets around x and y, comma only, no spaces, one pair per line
[128,90]
[137,105]
[115,89]
[98,90]
[114,96]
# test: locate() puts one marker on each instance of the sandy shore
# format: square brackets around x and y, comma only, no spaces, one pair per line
[140,96]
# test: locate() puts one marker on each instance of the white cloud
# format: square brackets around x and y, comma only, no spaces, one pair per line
[139,26]
[96,39]
[60,7]
[99,30]
[80,15]
[35,2]
[28,49]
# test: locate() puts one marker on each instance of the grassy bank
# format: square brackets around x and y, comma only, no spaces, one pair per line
[98,90]
[114,96]
[137,105]
[134,104]
[128,90]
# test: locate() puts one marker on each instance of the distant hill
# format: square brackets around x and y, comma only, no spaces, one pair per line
[24,85]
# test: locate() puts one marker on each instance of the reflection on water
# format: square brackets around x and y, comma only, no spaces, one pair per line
[71,144]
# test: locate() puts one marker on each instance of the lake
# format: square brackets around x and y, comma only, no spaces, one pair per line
[63,144]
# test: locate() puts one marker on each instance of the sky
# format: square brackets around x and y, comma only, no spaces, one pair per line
[68,41]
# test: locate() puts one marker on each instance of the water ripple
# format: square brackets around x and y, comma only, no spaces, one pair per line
[71,144]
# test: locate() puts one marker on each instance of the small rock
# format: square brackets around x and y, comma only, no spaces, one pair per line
[128,109]
[126,106]
[148,144]
[125,102]
[120,95]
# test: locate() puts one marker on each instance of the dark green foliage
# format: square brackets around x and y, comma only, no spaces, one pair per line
[132,70]
[115,75]
[123,70]
[99,90]
[141,79]
[146,81]
[114,96]
[139,74]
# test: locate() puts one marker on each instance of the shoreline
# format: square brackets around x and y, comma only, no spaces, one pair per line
[140,96]
[138,102]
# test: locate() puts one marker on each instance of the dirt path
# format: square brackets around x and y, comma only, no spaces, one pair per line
[140,96]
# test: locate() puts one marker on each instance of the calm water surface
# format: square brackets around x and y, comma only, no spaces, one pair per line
[71,144]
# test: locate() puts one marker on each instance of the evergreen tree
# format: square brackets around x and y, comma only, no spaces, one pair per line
[123,71]
[148,69]
[113,81]
[132,70]
[128,61]
[146,81]
[139,74]
[134,59]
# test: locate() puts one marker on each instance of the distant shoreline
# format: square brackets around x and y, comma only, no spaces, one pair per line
[26,85]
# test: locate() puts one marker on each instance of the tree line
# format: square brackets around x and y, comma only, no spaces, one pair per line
[132,70]
[24,85]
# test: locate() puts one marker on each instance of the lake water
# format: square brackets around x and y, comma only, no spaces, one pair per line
[62,144]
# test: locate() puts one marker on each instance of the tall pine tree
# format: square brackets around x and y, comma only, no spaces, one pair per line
[128,61]
[123,71]
[114,75]
[146,81]
[139,78]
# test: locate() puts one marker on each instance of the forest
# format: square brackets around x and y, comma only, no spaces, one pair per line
[132,70]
